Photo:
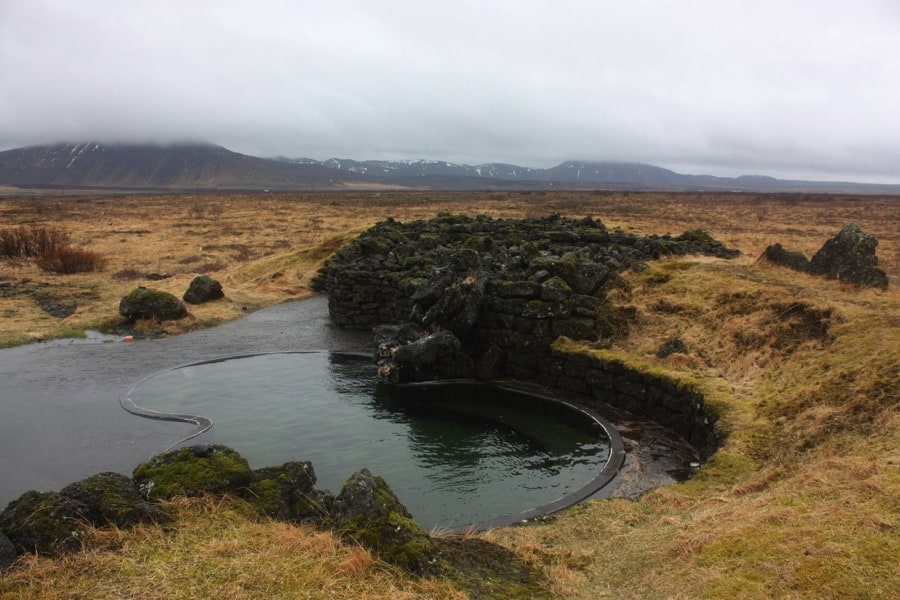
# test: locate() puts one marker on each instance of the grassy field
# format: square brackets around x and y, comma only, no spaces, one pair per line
[802,501]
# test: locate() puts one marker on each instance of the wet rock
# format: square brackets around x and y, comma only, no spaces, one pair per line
[192,472]
[436,356]
[778,255]
[46,523]
[112,499]
[7,552]
[203,288]
[850,257]
[288,493]
[145,303]
[367,511]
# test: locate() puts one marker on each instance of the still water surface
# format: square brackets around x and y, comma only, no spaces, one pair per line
[453,457]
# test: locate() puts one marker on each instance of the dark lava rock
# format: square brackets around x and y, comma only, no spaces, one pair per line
[288,493]
[203,289]
[452,301]
[46,523]
[7,552]
[192,472]
[436,356]
[850,257]
[112,499]
[778,255]
[368,512]
[144,303]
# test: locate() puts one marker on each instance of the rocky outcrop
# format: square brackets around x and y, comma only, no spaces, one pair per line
[496,291]
[288,493]
[848,257]
[192,471]
[45,523]
[203,288]
[112,499]
[53,523]
[368,512]
[144,303]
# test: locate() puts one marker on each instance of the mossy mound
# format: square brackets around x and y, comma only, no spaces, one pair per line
[47,523]
[144,303]
[112,499]
[368,512]
[192,472]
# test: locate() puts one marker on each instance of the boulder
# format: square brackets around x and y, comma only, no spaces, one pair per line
[112,499]
[192,471]
[145,303]
[7,552]
[850,257]
[288,493]
[438,355]
[368,512]
[778,255]
[46,523]
[203,289]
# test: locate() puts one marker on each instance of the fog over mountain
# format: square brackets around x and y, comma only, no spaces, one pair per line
[795,90]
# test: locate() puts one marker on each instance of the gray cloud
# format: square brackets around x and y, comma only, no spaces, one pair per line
[805,89]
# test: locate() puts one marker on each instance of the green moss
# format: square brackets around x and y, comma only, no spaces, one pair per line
[144,303]
[192,472]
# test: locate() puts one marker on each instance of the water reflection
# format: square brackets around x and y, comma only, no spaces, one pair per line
[453,455]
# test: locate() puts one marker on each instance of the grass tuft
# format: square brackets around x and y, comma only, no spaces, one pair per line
[67,260]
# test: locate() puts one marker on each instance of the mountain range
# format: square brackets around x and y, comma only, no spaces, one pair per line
[182,167]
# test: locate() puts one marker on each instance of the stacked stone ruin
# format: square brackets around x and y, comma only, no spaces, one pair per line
[459,296]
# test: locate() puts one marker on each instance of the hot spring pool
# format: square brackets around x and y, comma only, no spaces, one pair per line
[455,453]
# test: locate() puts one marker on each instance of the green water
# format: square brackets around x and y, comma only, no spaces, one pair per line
[453,455]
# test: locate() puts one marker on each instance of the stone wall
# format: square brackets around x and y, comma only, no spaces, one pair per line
[676,405]
[506,289]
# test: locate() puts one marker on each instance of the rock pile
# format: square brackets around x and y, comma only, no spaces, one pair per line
[487,296]
[366,510]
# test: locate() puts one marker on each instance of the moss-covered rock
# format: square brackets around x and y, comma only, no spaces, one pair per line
[46,523]
[144,303]
[288,493]
[112,499]
[192,472]
[368,512]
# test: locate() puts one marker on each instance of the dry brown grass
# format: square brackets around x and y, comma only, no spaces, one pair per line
[265,247]
[801,502]
[217,549]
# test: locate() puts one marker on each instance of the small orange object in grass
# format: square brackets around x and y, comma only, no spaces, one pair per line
[128,338]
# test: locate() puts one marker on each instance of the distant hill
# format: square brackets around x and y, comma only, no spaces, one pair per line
[179,166]
[206,166]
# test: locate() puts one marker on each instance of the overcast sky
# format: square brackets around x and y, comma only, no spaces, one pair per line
[789,88]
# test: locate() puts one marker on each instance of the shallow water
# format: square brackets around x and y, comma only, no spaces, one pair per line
[463,458]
